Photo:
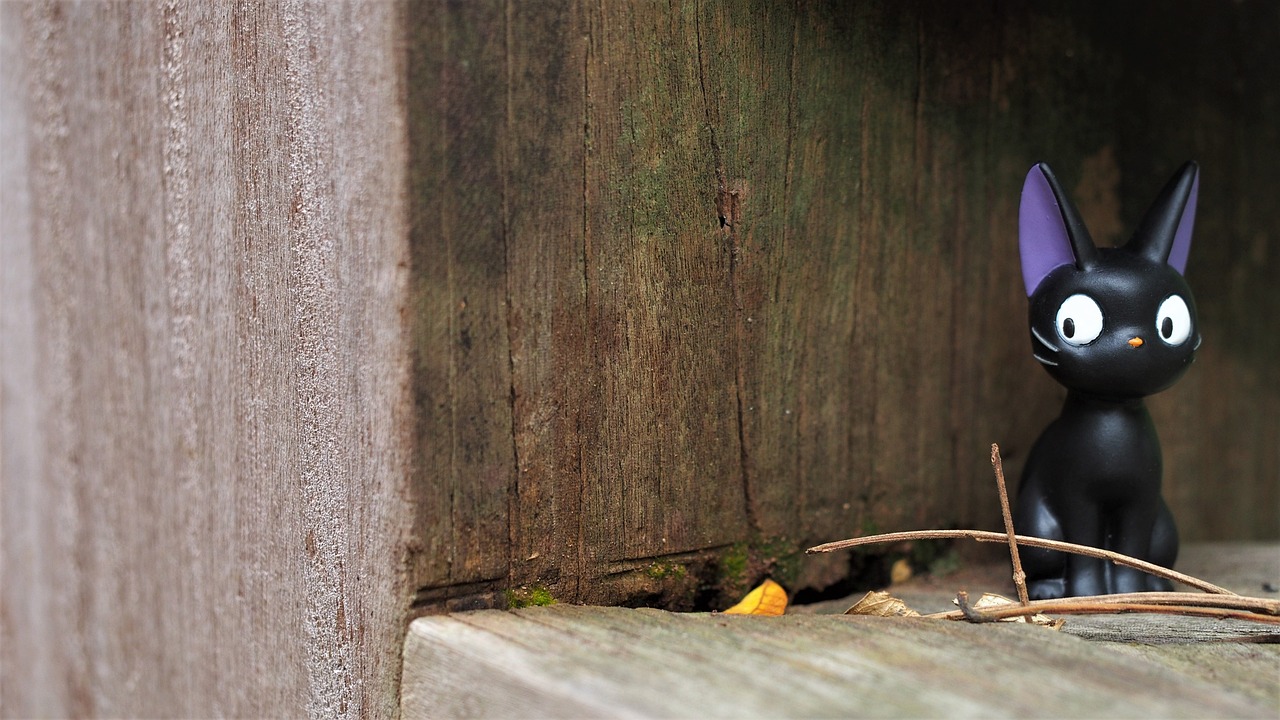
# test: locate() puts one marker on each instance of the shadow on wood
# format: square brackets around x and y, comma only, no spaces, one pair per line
[698,288]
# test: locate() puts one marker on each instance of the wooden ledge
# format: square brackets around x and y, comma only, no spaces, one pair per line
[572,661]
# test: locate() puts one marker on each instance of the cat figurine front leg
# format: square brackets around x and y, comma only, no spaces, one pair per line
[1112,325]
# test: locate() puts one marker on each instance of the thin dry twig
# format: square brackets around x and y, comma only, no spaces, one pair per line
[1019,577]
[1079,606]
[986,536]
[968,612]
[1255,606]
[1219,603]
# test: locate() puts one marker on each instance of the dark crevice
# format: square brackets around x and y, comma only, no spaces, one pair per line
[850,585]
[867,571]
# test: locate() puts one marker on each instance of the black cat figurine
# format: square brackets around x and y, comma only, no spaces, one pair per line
[1112,325]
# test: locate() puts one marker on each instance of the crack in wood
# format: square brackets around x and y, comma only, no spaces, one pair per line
[728,211]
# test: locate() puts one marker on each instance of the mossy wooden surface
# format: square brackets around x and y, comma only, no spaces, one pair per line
[713,281]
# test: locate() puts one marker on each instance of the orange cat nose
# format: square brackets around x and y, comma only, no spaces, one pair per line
[1135,342]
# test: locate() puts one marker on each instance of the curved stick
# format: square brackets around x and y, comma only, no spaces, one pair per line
[985,536]
[1062,607]
[1171,602]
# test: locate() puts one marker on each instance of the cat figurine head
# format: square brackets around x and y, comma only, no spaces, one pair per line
[1114,323]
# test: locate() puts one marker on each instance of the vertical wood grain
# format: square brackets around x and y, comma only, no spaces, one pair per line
[554,380]
[752,273]
[456,111]
[664,461]
[208,400]
[26,511]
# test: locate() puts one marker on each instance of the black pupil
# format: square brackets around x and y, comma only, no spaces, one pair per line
[1069,327]
[1166,327]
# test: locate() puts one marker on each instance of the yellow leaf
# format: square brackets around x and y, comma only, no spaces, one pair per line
[768,599]
[881,604]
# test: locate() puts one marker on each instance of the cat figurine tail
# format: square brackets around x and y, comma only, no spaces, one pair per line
[1112,325]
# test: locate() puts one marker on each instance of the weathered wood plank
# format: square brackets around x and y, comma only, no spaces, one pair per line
[205,398]
[801,217]
[456,126]
[617,662]
[554,377]
[572,660]
[664,461]
[758,279]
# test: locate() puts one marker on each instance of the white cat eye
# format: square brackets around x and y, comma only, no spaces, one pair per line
[1173,321]
[1079,320]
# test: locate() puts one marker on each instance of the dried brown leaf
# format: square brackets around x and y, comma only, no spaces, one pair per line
[878,603]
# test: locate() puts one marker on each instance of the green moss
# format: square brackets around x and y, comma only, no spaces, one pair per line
[781,559]
[667,570]
[733,564]
[522,597]
[746,563]
[787,569]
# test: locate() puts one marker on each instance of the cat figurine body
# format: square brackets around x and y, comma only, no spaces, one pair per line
[1112,325]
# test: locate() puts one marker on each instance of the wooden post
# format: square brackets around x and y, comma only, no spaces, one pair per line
[320,316]
[206,410]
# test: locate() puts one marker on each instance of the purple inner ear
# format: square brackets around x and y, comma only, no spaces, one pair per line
[1182,239]
[1042,234]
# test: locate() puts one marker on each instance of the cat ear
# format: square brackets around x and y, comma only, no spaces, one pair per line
[1050,230]
[1165,232]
